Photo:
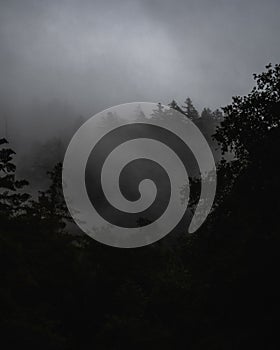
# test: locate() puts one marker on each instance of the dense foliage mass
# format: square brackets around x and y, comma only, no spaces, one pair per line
[217,289]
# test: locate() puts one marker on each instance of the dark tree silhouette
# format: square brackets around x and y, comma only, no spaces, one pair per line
[50,209]
[12,202]
[249,119]
[217,289]
[189,109]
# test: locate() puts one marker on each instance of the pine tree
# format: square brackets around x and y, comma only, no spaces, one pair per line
[189,109]
[174,105]
[206,114]
[12,201]
[50,209]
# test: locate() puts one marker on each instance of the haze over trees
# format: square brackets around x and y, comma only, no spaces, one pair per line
[217,289]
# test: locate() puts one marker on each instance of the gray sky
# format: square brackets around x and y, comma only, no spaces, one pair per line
[83,56]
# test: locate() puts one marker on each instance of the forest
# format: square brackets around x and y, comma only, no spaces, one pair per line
[214,289]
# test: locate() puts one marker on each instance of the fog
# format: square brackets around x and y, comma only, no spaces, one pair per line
[63,59]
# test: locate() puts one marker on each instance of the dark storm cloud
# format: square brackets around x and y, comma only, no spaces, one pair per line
[89,55]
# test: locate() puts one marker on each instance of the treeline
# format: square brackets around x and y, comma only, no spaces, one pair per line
[39,157]
[216,289]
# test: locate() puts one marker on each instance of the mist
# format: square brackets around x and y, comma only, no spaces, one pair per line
[63,60]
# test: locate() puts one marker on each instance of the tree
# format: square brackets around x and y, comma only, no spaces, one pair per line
[249,119]
[189,109]
[50,209]
[12,202]
[218,115]
[173,104]
[206,114]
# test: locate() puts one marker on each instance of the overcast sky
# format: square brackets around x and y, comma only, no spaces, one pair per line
[91,55]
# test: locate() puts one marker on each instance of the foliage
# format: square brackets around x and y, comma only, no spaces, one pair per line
[249,119]
[12,202]
[50,209]
[217,289]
